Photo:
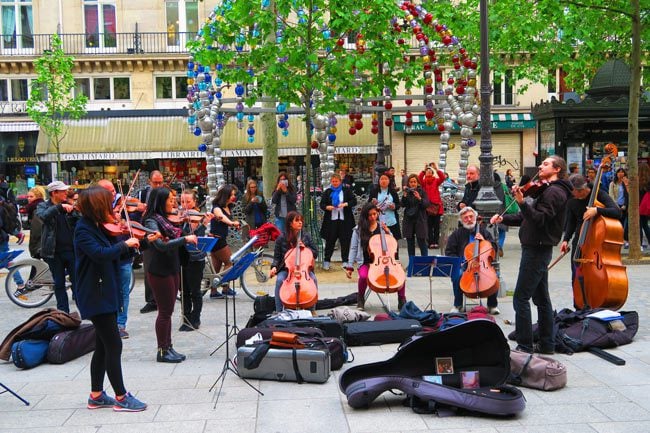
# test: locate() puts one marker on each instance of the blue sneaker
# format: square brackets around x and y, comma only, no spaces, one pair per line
[217,295]
[230,292]
[102,401]
[129,404]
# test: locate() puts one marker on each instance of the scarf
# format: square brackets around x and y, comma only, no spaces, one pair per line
[167,229]
[335,195]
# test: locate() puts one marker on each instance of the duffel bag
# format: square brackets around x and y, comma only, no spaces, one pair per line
[536,371]
[29,353]
[68,345]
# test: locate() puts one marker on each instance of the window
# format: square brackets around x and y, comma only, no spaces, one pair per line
[503,89]
[99,17]
[171,87]
[82,87]
[182,17]
[121,88]
[4,94]
[14,90]
[104,88]
[17,24]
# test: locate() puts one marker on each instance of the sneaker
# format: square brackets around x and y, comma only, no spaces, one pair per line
[436,246]
[185,328]
[626,245]
[455,310]
[148,308]
[230,292]
[100,402]
[326,266]
[217,295]
[129,404]
[21,238]
[500,252]
[123,334]
[494,311]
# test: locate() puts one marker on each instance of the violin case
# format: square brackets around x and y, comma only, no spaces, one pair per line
[474,346]
[286,365]
[381,332]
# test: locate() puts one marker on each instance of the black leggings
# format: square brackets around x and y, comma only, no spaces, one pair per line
[108,354]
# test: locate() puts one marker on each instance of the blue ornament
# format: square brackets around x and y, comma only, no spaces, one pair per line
[219,67]
[240,117]
[251,139]
[250,130]
[251,118]
[285,132]
[191,120]
[218,95]
[331,138]
[190,66]
[239,90]
[281,107]
[197,131]
[200,68]
[282,124]
[202,147]
[266,3]
[327,34]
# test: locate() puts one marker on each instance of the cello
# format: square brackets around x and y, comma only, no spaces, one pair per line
[600,278]
[479,280]
[299,290]
[385,273]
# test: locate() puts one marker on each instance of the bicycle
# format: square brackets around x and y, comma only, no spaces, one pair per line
[38,286]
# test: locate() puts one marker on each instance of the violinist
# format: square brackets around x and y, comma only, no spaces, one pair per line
[577,212]
[192,298]
[286,241]
[163,264]
[219,225]
[99,297]
[458,240]
[368,226]
[541,222]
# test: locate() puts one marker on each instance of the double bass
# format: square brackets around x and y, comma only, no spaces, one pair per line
[481,280]
[385,273]
[299,290]
[600,278]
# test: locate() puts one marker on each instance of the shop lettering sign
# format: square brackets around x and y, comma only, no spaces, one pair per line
[22,159]
[13,107]
[183,154]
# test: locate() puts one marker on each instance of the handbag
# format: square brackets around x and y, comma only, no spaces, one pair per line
[536,371]
[644,206]
[433,209]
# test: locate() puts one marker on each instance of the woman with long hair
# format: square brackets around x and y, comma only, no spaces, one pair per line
[286,241]
[618,190]
[338,221]
[414,223]
[387,201]
[35,196]
[221,222]
[431,178]
[254,207]
[163,264]
[369,225]
[284,198]
[99,297]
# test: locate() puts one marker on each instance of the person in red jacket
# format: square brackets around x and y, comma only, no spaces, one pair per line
[431,178]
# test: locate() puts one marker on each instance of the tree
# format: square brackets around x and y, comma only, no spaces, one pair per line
[578,36]
[51,97]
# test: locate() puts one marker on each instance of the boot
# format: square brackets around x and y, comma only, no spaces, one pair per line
[361,301]
[175,353]
[400,303]
[165,355]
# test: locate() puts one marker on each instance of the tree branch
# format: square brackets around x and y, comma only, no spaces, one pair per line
[604,8]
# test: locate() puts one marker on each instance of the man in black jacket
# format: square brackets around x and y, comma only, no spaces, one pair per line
[541,222]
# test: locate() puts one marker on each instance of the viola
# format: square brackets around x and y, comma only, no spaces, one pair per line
[480,279]
[299,290]
[601,278]
[385,273]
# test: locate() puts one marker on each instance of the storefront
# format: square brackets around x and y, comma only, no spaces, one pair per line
[18,162]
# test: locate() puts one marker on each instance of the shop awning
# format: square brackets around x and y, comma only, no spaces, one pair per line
[153,137]
[18,126]
[500,121]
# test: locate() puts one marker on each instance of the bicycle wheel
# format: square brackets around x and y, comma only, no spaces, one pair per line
[255,281]
[36,288]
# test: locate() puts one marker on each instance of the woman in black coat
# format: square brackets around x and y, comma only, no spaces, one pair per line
[388,203]
[414,222]
[338,221]
[284,198]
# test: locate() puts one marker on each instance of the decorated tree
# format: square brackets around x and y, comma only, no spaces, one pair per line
[51,98]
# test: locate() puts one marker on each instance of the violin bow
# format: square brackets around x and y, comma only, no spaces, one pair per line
[560,257]
[126,214]
[515,201]
[123,206]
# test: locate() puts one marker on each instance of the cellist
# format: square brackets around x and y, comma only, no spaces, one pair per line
[577,212]
[458,240]
[541,222]
[287,240]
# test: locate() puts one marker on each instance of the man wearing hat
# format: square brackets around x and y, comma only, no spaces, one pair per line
[59,220]
[458,240]
[577,212]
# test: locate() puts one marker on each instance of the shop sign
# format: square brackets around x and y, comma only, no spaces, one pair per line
[13,107]
[499,125]
[22,159]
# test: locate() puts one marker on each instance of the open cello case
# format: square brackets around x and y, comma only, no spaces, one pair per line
[470,347]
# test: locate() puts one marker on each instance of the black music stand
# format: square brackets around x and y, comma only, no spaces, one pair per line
[434,266]
[7,389]
[231,275]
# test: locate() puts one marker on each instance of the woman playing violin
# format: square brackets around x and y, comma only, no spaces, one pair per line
[286,241]
[97,265]
[163,264]
[219,226]
[367,227]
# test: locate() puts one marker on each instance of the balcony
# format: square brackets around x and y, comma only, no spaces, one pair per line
[81,44]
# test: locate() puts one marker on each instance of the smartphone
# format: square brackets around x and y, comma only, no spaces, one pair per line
[285,182]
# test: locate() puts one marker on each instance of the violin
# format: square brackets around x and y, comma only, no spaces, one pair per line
[601,278]
[131,204]
[115,229]
[133,228]
[535,188]
[139,231]
[385,273]
[299,290]
[479,280]
[175,218]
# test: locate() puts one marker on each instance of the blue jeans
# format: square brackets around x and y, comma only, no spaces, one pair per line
[4,247]
[502,238]
[532,283]
[59,265]
[279,223]
[125,286]
[279,279]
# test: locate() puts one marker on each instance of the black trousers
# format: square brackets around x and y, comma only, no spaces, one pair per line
[337,232]
[192,296]
[107,358]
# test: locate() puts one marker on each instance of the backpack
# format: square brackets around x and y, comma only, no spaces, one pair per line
[10,222]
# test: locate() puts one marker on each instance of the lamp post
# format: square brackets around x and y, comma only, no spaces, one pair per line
[487,203]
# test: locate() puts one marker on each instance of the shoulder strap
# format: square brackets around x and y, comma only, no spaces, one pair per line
[294,356]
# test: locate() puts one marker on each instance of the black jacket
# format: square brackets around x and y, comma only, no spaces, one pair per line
[576,209]
[348,215]
[459,239]
[48,213]
[162,258]
[542,219]
[282,246]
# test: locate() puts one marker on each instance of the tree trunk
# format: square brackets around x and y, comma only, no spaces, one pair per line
[270,166]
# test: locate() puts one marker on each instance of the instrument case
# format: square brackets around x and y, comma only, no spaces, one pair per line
[329,326]
[382,332]
[477,347]
[280,364]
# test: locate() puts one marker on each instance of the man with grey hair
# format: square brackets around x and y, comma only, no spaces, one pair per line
[458,240]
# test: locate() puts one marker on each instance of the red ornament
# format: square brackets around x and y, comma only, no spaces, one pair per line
[450,80]
[419,36]
[314,144]
[428,114]
[428,18]
[441,127]
[462,50]
[460,90]
[340,42]
[467,63]
[358,125]
[400,41]
[352,131]
[428,88]
[358,116]
[474,65]
[374,130]
[352,116]
[409,114]
[446,39]
[388,105]
[388,122]
[438,28]
[373,103]
[408,122]
[408,101]
[374,122]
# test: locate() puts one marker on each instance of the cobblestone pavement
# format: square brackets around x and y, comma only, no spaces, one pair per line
[600,397]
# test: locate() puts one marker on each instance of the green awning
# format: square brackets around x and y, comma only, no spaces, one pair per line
[500,121]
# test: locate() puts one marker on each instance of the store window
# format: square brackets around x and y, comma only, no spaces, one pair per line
[17,24]
[100,24]
[14,90]
[171,87]
[503,89]
[182,18]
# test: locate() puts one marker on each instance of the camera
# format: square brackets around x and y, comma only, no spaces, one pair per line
[284,182]
[410,190]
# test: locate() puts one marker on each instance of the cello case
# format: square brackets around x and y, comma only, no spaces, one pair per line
[478,345]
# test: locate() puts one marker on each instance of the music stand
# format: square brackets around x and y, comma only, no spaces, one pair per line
[230,276]
[7,389]
[434,266]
